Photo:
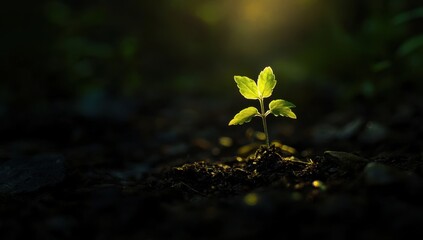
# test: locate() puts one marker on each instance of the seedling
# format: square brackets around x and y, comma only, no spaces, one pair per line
[262,89]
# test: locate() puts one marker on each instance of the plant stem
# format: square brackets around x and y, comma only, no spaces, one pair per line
[263,118]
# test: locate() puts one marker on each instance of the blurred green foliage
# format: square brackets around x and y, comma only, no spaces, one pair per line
[64,50]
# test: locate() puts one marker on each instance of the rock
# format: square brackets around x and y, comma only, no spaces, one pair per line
[24,175]
[377,174]
[347,161]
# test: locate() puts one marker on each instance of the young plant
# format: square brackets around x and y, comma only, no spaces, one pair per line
[262,89]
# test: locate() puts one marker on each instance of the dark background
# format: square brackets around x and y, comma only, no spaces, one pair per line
[59,51]
[121,88]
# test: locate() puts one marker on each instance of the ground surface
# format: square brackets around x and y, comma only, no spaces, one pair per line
[181,173]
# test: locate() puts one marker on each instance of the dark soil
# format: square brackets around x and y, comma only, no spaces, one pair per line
[149,177]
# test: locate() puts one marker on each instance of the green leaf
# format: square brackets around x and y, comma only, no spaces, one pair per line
[281,103]
[266,82]
[247,87]
[281,107]
[244,116]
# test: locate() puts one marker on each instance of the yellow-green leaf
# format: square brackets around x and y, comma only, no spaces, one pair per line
[280,103]
[247,87]
[281,107]
[244,116]
[266,82]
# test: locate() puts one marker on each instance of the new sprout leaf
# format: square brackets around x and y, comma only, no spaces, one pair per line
[247,87]
[244,116]
[281,107]
[285,112]
[266,82]
[280,103]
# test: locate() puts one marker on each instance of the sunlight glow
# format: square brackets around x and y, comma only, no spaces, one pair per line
[256,24]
